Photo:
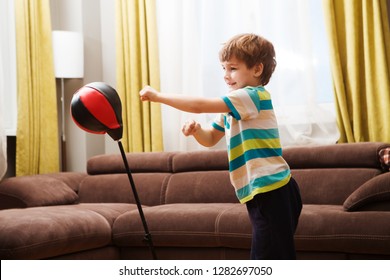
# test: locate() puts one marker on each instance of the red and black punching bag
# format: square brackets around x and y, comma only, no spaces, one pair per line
[97,108]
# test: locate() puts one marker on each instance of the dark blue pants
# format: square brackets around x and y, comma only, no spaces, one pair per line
[274,216]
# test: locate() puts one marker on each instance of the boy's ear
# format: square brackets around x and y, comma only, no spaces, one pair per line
[258,70]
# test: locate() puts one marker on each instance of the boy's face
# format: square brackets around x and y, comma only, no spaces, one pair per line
[238,75]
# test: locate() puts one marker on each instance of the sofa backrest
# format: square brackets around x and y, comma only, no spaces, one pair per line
[326,175]
[160,178]
[329,174]
[200,176]
[109,182]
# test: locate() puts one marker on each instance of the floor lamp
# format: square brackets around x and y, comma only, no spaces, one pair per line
[68,54]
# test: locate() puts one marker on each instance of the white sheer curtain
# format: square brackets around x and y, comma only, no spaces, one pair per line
[191,32]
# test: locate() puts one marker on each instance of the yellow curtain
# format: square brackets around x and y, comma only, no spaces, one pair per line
[37,149]
[360,61]
[137,66]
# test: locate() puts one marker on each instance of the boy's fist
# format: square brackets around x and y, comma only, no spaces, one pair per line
[148,94]
[190,128]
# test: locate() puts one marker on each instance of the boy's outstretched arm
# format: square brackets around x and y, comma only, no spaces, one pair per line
[191,104]
[206,137]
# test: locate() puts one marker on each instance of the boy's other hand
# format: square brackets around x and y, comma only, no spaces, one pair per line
[190,128]
[148,94]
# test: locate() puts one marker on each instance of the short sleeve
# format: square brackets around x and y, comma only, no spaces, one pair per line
[219,123]
[244,103]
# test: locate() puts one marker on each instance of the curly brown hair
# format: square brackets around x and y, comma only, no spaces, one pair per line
[253,50]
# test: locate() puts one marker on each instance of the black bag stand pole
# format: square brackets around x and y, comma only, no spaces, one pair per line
[148,236]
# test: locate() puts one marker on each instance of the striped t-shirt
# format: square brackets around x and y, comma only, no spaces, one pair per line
[255,157]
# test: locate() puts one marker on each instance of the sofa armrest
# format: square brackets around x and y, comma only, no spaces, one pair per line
[39,190]
[371,195]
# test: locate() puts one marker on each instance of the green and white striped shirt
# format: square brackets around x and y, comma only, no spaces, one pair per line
[256,164]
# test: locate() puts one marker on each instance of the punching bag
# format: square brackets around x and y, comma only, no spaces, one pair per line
[97,108]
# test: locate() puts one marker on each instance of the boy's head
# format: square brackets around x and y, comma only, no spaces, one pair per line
[252,50]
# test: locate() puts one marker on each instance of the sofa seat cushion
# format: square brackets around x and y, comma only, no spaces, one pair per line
[187,225]
[110,211]
[44,232]
[328,228]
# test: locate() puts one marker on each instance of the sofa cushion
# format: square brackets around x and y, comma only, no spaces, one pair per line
[72,179]
[370,194]
[365,154]
[138,162]
[200,187]
[384,157]
[330,185]
[36,190]
[328,228]
[187,225]
[200,161]
[115,188]
[44,232]
[110,211]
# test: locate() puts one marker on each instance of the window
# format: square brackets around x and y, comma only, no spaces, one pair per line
[191,33]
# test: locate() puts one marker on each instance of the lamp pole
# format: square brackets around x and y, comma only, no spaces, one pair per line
[63,137]
[68,53]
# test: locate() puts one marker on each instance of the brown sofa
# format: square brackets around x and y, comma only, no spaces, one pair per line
[191,208]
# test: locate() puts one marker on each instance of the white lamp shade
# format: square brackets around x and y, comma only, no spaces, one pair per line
[68,52]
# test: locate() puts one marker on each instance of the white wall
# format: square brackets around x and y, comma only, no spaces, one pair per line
[96,20]
[8,105]
[107,27]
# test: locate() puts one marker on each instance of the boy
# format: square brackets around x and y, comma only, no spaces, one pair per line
[260,175]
